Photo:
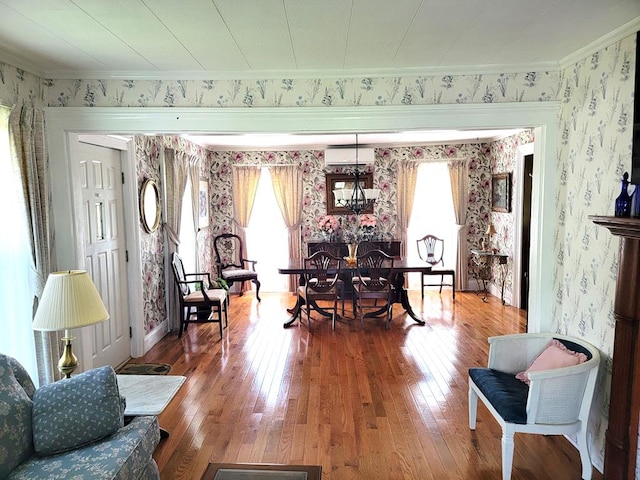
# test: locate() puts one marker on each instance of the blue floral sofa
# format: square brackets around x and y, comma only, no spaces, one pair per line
[71,429]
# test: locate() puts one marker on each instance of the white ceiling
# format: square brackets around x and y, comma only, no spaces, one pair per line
[85,38]
[217,39]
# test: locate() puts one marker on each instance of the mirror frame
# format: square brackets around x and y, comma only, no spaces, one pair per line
[149,205]
[332,179]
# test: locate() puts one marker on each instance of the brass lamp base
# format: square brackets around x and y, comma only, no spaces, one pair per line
[68,361]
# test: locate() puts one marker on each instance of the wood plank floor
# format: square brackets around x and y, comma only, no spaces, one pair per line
[364,403]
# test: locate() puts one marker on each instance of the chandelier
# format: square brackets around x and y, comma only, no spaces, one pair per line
[357,198]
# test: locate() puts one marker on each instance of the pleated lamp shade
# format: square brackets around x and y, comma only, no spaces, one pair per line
[70,300]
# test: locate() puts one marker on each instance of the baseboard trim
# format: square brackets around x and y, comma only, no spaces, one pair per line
[155,335]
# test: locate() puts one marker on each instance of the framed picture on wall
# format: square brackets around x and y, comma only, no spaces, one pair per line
[203,204]
[501,192]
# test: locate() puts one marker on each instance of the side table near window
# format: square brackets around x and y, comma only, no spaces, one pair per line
[483,268]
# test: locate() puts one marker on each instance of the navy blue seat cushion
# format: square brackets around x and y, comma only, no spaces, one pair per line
[505,392]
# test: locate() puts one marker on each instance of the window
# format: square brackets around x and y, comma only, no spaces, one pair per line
[267,239]
[187,247]
[16,300]
[432,213]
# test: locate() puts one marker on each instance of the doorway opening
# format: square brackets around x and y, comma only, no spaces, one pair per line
[525,228]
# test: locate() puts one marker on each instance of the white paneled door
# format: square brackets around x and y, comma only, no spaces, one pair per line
[105,255]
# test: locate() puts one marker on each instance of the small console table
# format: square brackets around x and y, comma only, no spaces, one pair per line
[482,270]
[148,394]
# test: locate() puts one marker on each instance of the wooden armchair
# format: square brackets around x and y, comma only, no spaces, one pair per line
[232,264]
[195,292]
[321,282]
[431,250]
[373,283]
[556,401]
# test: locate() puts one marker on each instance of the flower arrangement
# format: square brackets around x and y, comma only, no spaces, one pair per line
[367,221]
[367,226]
[328,224]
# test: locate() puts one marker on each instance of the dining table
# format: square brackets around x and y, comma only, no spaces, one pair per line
[399,294]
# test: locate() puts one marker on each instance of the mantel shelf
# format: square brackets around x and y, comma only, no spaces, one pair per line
[621,226]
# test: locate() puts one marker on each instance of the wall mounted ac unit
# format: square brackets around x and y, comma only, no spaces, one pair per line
[344,156]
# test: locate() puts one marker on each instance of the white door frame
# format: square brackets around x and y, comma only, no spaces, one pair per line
[132,234]
[518,198]
[544,116]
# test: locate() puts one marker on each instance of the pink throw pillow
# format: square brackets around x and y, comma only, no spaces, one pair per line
[555,355]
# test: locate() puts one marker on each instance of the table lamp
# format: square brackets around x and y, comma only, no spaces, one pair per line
[486,242]
[69,300]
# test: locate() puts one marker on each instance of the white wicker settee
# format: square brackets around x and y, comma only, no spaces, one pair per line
[556,401]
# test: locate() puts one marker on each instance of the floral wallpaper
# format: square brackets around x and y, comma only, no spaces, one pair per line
[596,96]
[314,92]
[16,85]
[595,149]
[147,153]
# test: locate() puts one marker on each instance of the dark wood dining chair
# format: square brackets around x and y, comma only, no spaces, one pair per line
[321,282]
[232,265]
[372,284]
[332,248]
[199,303]
[366,246]
[431,250]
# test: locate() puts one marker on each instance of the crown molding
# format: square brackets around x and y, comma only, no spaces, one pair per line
[19,62]
[629,28]
[303,74]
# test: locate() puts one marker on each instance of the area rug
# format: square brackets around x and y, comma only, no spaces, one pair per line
[144,369]
[249,471]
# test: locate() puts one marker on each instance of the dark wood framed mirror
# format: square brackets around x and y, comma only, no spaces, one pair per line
[336,181]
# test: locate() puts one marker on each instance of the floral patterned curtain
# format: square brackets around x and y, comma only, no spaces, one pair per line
[407,175]
[244,185]
[176,164]
[459,176]
[287,187]
[28,154]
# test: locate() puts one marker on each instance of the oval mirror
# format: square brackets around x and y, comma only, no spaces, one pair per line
[150,205]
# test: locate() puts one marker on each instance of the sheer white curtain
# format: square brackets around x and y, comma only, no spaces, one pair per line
[187,245]
[268,238]
[16,297]
[432,213]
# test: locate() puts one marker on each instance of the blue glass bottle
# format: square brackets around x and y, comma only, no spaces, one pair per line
[623,202]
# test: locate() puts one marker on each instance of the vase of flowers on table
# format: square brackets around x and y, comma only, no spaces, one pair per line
[327,226]
[367,227]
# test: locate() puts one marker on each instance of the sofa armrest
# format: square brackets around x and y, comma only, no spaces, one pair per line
[125,455]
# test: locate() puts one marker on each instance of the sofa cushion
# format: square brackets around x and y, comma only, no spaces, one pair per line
[16,391]
[76,411]
[125,455]
[505,393]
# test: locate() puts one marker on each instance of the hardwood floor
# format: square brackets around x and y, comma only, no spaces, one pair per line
[364,403]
